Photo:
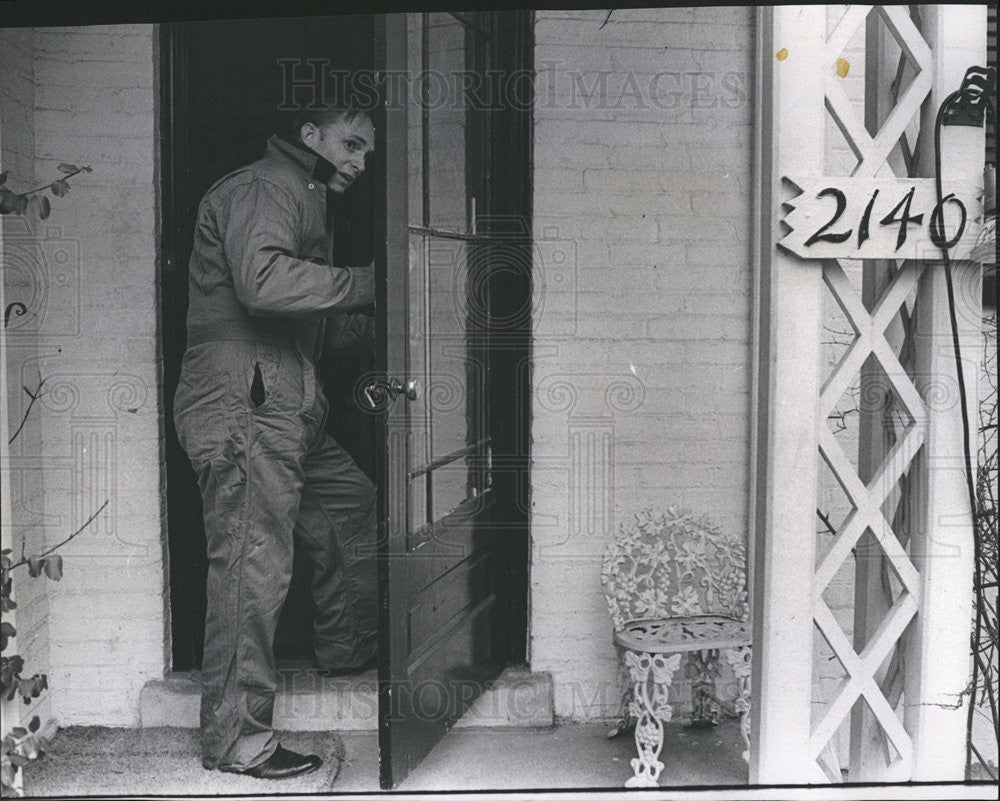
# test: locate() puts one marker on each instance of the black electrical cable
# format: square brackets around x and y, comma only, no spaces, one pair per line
[938,238]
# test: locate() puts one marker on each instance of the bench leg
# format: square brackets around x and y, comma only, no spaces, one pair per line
[651,675]
[741,659]
[703,668]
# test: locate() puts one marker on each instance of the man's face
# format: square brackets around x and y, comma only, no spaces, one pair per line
[345,145]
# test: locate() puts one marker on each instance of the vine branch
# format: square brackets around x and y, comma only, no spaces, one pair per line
[87,522]
[34,396]
[49,185]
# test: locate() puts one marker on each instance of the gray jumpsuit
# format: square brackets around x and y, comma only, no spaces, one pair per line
[250,413]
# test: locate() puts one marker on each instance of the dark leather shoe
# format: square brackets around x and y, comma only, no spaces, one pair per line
[282,764]
[347,671]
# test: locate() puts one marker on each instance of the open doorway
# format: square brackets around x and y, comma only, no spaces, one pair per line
[225,83]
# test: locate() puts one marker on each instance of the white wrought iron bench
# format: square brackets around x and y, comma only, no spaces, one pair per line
[676,584]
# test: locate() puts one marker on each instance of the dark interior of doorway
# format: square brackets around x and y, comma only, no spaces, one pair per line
[223,83]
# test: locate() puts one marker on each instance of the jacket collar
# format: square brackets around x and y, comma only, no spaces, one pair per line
[309,161]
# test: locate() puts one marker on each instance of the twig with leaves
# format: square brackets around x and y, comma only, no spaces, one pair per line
[20,744]
[12,202]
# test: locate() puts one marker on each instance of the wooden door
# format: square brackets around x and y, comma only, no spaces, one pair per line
[453,554]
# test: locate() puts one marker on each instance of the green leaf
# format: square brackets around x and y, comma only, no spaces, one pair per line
[7,774]
[68,168]
[28,747]
[31,688]
[35,564]
[11,665]
[21,204]
[6,632]
[34,724]
[54,567]
[8,201]
[59,187]
[18,732]
[44,207]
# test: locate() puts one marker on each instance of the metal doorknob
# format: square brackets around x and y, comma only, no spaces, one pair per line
[381,389]
[411,390]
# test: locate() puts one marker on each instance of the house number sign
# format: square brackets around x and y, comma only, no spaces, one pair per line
[865,218]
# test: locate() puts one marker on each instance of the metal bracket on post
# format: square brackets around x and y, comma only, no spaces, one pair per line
[968,107]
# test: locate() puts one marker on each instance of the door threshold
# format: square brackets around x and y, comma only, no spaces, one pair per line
[306,701]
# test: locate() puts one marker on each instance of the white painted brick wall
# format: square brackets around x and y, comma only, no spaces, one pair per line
[100,430]
[650,326]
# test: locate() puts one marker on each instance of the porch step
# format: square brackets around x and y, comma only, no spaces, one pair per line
[305,701]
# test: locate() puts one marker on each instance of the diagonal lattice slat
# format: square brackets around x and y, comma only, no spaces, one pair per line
[867,514]
[872,152]
[861,669]
[870,337]
[870,340]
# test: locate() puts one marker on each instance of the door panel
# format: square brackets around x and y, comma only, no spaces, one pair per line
[446,611]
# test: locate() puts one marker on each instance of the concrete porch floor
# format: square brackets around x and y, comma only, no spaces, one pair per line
[572,757]
[569,757]
[572,761]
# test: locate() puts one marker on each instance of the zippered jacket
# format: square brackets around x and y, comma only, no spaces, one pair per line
[262,263]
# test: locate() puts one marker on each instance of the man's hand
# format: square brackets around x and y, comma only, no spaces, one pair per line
[350,331]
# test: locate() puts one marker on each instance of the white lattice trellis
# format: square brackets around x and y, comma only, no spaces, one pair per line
[869,327]
[898,500]
[867,501]
[873,152]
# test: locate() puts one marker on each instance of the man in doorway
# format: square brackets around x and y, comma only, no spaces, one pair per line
[264,298]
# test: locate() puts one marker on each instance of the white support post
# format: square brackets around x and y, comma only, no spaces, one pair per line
[791,127]
[938,657]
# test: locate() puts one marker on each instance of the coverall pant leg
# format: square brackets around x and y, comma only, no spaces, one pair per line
[254,459]
[336,526]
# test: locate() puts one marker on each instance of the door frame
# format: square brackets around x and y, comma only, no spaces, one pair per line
[175,227]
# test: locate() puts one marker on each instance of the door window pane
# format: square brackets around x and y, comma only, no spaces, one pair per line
[451,487]
[444,98]
[414,117]
[454,374]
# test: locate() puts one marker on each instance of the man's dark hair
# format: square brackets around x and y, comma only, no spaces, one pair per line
[320,116]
